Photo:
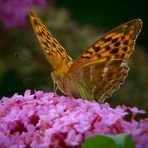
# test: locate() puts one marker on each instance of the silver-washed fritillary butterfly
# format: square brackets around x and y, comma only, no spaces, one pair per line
[99,70]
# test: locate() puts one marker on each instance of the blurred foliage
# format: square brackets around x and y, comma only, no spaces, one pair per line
[105,140]
[31,70]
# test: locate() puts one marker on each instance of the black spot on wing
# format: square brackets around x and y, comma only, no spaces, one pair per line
[89,52]
[61,49]
[115,50]
[36,22]
[96,49]
[54,40]
[99,56]
[47,37]
[48,41]
[125,49]
[48,34]
[108,58]
[85,57]
[123,37]
[54,45]
[114,40]
[103,39]
[125,42]
[43,32]
[122,55]
[107,47]
[39,33]
[116,56]
[107,39]
[117,44]
[60,53]
[45,44]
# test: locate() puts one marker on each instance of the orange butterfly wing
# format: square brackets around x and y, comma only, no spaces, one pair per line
[117,44]
[54,52]
[100,70]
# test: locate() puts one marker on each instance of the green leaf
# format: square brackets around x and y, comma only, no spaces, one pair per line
[111,141]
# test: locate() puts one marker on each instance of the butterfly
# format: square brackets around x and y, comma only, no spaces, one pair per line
[99,70]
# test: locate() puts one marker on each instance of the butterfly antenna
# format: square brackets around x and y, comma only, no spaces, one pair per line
[18,55]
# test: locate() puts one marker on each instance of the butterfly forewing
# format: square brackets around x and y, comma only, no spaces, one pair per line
[117,44]
[102,67]
[54,52]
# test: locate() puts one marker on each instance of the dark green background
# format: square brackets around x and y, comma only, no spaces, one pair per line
[108,14]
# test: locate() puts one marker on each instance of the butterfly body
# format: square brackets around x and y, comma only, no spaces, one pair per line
[62,81]
[99,70]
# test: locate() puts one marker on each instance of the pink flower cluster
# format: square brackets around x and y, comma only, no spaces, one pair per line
[13,12]
[48,120]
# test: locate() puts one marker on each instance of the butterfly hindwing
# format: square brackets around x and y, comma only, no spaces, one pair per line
[99,81]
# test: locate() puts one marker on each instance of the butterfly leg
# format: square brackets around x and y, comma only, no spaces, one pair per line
[101,100]
[55,88]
